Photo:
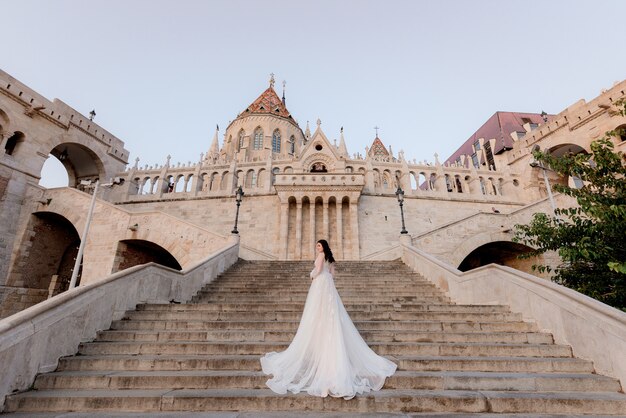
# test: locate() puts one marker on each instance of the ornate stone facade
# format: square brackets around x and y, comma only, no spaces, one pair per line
[299,187]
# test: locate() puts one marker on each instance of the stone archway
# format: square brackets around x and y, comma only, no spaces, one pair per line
[46,263]
[504,253]
[80,162]
[133,252]
[565,149]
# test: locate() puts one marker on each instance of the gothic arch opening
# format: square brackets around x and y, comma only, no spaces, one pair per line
[80,163]
[13,143]
[565,149]
[503,253]
[132,252]
[46,256]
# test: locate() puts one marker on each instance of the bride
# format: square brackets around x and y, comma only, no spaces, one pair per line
[327,356]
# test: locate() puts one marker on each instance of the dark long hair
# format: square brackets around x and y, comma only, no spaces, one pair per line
[328,254]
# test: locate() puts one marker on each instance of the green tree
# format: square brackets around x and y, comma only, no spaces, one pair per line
[591,237]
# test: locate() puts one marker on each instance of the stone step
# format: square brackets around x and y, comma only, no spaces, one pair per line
[295,316]
[277,294]
[216,298]
[251,362]
[265,400]
[287,336]
[241,379]
[279,414]
[417,326]
[382,348]
[304,287]
[298,307]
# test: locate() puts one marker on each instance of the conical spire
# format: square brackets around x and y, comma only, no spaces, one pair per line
[214,150]
[343,151]
[307,131]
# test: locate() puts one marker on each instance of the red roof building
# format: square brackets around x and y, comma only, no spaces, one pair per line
[498,127]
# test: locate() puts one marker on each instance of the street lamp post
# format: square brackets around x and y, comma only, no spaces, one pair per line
[83,241]
[239,197]
[539,164]
[400,196]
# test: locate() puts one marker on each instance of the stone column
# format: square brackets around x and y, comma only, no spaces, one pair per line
[312,227]
[284,224]
[354,223]
[298,254]
[326,229]
[339,230]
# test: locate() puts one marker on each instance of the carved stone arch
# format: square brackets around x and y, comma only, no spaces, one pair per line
[48,258]
[318,158]
[462,250]
[494,248]
[80,158]
[132,252]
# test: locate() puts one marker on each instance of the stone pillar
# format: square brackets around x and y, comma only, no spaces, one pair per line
[284,224]
[298,253]
[339,230]
[326,224]
[354,224]
[312,228]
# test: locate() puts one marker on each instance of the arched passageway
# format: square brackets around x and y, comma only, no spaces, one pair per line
[133,252]
[47,254]
[503,253]
[79,162]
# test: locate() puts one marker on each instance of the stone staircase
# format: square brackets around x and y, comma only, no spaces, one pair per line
[204,356]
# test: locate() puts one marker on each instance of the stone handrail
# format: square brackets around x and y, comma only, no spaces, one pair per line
[594,330]
[33,340]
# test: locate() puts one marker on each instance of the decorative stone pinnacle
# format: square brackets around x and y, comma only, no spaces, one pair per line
[272,80]
[319,122]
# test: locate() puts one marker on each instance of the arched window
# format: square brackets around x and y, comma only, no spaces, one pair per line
[276,141]
[12,142]
[621,132]
[250,179]
[258,139]
[242,134]
[292,145]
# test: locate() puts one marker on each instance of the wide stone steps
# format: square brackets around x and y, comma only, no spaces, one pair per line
[417,326]
[299,306]
[453,360]
[382,348]
[287,336]
[242,379]
[443,401]
[251,362]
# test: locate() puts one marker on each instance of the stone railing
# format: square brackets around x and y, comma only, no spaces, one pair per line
[594,330]
[32,341]
[320,180]
[205,180]
[453,241]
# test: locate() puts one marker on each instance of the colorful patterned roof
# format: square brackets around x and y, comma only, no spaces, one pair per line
[268,103]
[378,149]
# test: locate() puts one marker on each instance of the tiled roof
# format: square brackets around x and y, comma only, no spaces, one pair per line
[268,103]
[498,126]
[378,148]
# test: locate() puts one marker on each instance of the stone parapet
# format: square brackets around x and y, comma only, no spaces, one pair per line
[594,330]
[54,328]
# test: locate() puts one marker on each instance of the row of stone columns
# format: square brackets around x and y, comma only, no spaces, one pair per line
[345,247]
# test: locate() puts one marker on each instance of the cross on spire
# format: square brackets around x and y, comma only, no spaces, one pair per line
[376,128]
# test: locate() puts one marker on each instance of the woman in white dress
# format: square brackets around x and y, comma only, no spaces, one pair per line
[328,355]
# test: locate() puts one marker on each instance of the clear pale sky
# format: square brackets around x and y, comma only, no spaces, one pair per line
[161,74]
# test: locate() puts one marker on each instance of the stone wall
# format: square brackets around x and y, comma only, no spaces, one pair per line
[16,299]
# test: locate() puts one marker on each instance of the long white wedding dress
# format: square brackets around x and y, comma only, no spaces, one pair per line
[327,355]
